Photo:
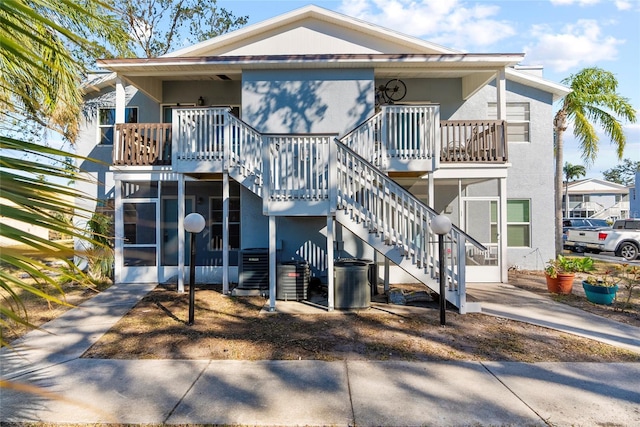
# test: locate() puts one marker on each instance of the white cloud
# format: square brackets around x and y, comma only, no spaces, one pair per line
[620,4]
[572,2]
[576,45]
[450,23]
[623,5]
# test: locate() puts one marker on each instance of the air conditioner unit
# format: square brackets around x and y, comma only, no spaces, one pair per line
[253,269]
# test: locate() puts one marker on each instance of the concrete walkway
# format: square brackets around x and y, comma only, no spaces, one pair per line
[511,302]
[352,393]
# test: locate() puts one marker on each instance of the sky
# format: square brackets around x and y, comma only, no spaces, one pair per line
[564,36]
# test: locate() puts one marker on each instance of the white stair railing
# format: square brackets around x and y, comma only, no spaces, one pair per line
[366,141]
[245,151]
[397,218]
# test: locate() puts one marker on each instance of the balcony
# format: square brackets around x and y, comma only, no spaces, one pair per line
[464,141]
[403,138]
[142,144]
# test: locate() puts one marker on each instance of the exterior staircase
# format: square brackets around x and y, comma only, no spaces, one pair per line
[334,176]
[323,175]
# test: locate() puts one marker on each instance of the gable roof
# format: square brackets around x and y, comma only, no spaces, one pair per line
[596,186]
[313,21]
[313,37]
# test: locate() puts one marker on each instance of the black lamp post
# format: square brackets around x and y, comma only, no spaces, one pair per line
[194,224]
[441,225]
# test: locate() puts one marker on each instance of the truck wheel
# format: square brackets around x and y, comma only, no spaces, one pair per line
[628,251]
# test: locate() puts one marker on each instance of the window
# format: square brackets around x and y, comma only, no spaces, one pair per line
[518,223]
[107,121]
[517,118]
[215,209]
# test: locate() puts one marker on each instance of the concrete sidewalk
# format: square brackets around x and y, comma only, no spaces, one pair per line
[347,393]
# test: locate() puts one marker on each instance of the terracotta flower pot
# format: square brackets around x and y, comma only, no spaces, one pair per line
[562,284]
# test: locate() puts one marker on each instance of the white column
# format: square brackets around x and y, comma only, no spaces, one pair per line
[502,237]
[501,95]
[121,100]
[225,232]
[272,262]
[181,232]
[431,197]
[387,266]
[330,256]
[119,231]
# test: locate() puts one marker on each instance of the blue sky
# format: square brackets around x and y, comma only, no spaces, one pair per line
[562,35]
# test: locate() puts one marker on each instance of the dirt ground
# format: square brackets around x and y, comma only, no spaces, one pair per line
[238,328]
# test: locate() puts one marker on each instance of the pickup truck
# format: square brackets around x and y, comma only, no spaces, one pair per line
[586,239]
[623,239]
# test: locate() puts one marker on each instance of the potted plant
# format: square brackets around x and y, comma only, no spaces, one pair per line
[603,287]
[561,271]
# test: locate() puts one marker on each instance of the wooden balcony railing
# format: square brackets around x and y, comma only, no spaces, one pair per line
[473,141]
[142,144]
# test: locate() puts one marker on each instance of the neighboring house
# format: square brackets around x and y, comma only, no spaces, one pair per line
[318,136]
[597,198]
[634,198]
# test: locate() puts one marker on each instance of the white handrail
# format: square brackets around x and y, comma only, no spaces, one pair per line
[245,149]
[397,217]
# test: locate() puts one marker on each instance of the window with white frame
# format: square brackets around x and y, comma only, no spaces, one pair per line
[518,223]
[518,116]
[107,121]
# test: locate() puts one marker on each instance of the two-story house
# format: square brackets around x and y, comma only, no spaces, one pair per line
[316,136]
[596,198]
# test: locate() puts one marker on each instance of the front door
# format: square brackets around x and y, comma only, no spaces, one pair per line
[481,220]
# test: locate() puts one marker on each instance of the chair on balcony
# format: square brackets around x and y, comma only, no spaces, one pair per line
[456,151]
[480,147]
[143,150]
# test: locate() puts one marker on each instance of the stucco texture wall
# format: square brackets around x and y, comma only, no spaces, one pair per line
[531,174]
[307,101]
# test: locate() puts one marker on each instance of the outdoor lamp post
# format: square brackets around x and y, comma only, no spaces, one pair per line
[193,223]
[441,225]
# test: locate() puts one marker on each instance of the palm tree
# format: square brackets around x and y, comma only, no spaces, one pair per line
[42,47]
[594,99]
[570,172]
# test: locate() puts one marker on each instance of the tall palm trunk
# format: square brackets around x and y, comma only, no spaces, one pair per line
[560,125]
